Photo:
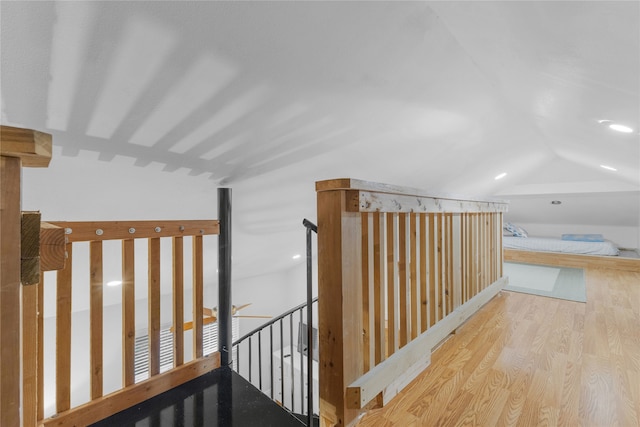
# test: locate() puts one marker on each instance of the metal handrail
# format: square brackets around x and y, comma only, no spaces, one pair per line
[311,227]
[272,321]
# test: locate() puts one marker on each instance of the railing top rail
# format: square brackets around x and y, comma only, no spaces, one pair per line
[376,187]
[87,231]
[272,321]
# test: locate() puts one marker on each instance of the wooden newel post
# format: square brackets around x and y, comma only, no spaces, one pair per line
[18,148]
[339,301]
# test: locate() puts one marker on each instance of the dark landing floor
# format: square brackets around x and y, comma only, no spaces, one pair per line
[221,398]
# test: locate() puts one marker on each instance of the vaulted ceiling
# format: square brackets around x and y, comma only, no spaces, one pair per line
[153,105]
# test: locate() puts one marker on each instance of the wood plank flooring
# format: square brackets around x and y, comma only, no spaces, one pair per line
[526,360]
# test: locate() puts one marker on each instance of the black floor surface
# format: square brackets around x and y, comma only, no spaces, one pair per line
[221,398]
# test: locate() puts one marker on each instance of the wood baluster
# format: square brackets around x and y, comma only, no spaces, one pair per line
[96,318]
[63,334]
[154,306]
[413,279]
[424,274]
[378,289]
[366,311]
[391,289]
[197,297]
[403,306]
[178,301]
[128,313]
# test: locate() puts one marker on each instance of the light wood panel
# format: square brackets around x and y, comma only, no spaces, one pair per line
[530,360]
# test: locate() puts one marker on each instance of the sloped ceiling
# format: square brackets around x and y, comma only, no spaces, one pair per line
[153,105]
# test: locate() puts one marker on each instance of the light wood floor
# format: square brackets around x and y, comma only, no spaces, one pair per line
[527,360]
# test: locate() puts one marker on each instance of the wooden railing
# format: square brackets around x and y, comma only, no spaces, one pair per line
[398,271]
[100,406]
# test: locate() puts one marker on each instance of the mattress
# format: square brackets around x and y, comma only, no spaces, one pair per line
[547,244]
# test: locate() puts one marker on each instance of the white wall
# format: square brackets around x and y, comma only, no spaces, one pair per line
[271,294]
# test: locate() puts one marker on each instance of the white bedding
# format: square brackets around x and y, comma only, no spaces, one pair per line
[547,244]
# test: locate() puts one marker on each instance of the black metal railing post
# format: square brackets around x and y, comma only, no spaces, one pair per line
[310,228]
[225,334]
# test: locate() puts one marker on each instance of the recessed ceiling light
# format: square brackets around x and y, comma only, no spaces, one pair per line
[114,283]
[502,175]
[620,128]
[296,256]
[608,168]
[604,121]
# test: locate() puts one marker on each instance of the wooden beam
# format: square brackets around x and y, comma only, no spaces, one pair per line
[9,291]
[31,146]
[30,248]
[52,247]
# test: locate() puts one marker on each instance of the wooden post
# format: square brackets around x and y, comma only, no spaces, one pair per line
[10,292]
[18,147]
[339,304]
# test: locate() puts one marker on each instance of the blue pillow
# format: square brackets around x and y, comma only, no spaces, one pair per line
[583,237]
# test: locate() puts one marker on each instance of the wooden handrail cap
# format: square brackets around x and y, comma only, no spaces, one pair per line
[376,187]
[31,146]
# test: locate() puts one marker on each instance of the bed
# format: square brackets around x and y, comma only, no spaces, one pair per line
[515,237]
[548,244]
